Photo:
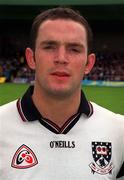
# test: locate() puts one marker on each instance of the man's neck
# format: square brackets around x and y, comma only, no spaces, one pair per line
[58,111]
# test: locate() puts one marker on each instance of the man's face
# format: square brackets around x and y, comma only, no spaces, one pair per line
[60,58]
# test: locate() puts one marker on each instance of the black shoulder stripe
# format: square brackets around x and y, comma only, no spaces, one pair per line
[121,172]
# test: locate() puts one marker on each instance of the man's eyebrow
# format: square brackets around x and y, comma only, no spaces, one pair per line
[75,44]
[53,42]
[49,42]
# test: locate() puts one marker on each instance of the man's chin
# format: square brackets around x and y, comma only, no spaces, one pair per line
[60,94]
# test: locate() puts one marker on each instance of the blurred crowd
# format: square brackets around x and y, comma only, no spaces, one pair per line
[15,69]
[108,67]
[13,65]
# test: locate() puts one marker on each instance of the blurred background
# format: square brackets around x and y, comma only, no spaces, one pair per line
[104,85]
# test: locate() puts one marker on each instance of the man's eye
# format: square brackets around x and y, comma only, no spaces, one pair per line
[75,50]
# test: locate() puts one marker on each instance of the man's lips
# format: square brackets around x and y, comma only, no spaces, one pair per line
[60,74]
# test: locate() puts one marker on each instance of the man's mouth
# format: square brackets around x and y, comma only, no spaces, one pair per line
[60,74]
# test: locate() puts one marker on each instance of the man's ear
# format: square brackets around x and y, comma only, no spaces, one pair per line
[90,63]
[30,58]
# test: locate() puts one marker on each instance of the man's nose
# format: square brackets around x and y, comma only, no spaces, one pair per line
[61,56]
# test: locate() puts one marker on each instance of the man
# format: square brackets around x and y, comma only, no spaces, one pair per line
[53,132]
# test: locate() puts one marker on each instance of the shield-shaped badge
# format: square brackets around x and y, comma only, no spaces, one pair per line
[102,152]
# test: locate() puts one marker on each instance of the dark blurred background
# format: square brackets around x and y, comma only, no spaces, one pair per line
[106,18]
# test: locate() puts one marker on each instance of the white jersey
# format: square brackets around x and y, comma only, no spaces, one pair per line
[89,146]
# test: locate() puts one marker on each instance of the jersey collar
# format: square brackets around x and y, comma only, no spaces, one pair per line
[29,112]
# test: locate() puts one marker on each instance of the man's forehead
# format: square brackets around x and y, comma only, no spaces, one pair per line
[58,24]
[62,28]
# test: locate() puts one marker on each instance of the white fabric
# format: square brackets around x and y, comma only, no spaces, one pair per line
[72,158]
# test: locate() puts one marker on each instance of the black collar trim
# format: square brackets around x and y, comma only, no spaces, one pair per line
[29,112]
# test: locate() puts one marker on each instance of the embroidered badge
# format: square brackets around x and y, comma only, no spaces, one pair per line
[101,152]
[24,158]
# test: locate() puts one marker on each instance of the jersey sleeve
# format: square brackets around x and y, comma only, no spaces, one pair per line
[120,175]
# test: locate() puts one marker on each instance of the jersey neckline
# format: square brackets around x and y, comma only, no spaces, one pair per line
[29,112]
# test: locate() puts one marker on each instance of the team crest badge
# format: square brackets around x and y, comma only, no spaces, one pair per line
[24,158]
[102,153]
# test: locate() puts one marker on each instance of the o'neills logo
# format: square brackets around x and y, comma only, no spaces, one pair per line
[101,152]
[62,144]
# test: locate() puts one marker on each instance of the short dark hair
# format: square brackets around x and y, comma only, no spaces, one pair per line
[60,13]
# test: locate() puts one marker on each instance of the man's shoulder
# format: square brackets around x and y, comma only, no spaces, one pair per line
[103,112]
[8,108]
